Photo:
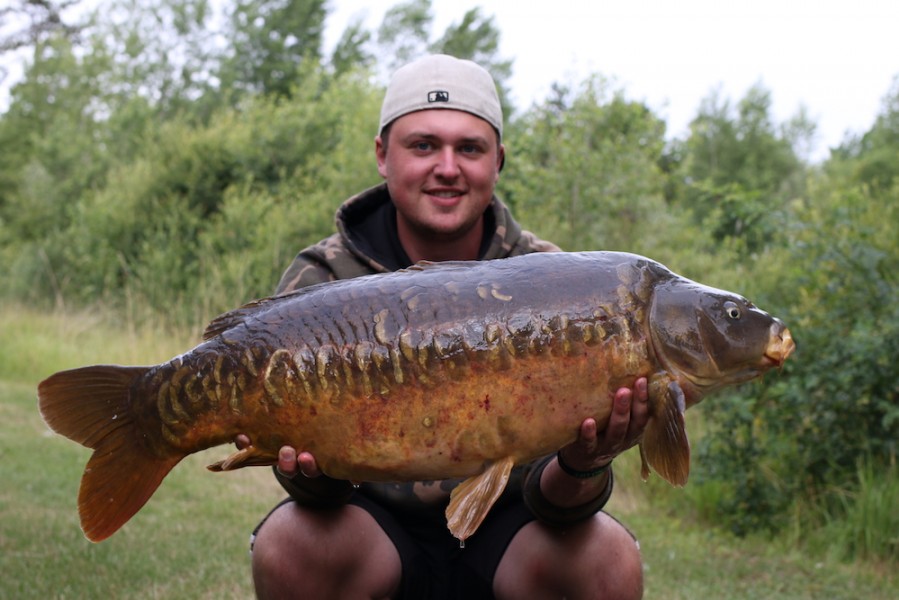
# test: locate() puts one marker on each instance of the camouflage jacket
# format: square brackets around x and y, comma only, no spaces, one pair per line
[366,243]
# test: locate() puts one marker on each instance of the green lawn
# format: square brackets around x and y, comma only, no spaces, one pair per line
[190,540]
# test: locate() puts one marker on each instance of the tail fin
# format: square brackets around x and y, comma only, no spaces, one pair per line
[91,406]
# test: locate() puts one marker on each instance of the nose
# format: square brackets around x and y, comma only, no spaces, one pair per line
[447,165]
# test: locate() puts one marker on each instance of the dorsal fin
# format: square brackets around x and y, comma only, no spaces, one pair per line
[427,265]
[232,318]
[227,320]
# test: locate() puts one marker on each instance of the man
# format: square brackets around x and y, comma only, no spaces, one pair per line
[440,152]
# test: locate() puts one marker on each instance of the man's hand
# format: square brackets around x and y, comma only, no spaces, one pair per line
[594,449]
[289,462]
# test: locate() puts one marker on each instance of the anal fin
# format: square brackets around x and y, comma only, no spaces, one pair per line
[472,499]
[251,456]
[665,446]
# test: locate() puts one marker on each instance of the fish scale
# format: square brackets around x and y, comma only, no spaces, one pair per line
[445,370]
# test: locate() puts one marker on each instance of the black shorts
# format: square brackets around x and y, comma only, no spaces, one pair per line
[435,567]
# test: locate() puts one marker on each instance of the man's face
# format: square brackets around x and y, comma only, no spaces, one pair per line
[441,167]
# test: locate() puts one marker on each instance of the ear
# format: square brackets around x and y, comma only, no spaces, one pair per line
[381,155]
[500,160]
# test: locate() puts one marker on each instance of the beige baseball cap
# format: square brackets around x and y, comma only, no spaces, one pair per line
[444,82]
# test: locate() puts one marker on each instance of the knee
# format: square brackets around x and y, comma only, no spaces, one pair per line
[278,547]
[323,554]
[617,560]
[597,558]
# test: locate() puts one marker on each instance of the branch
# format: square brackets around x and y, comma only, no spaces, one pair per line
[40,20]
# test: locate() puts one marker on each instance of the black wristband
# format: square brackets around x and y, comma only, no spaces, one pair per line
[581,474]
[553,515]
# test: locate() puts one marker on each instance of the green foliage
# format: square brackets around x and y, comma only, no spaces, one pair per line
[148,169]
[872,158]
[29,22]
[584,167]
[271,42]
[52,127]
[859,520]
[849,315]
[162,51]
[732,213]
[802,433]
[405,31]
[736,172]
[350,52]
[166,227]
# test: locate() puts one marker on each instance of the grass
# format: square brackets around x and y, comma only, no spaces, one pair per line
[190,540]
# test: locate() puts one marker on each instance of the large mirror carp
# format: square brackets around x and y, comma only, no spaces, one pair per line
[459,369]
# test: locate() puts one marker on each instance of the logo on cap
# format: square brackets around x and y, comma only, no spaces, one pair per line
[438,96]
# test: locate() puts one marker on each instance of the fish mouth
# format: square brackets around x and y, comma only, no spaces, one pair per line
[780,346]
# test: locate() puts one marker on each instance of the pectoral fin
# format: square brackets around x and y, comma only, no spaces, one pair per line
[471,500]
[665,446]
[251,456]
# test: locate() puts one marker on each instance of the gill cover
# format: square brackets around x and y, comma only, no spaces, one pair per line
[708,336]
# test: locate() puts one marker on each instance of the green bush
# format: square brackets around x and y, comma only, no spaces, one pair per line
[214,211]
[799,436]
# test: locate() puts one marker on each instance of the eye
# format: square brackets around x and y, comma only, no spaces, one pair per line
[733,311]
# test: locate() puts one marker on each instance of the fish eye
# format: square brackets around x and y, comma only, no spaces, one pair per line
[732,310]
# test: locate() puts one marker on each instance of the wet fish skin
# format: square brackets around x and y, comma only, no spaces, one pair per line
[447,370]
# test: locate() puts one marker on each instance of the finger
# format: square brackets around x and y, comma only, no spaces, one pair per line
[287,461]
[621,415]
[640,405]
[641,390]
[588,434]
[241,441]
[307,465]
[623,399]
[612,440]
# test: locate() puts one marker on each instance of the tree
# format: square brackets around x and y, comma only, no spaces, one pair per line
[39,21]
[351,52]
[163,52]
[800,438]
[52,131]
[796,443]
[736,171]
[585,168]
[404,32]
[874,155]
[270,41]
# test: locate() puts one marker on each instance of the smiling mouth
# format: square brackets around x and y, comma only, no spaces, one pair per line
[445,194]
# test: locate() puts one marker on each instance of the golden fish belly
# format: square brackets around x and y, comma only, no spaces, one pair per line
[443,423]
